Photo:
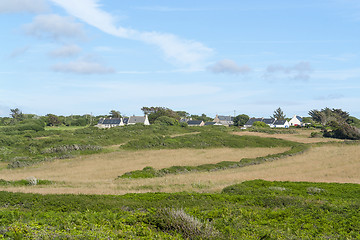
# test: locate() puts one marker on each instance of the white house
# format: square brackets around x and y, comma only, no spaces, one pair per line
[281,124]
[224,120]
[296,121]
[118,122]
[138,119]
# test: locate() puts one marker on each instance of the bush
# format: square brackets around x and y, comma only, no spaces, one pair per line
[165,120]
[260,125]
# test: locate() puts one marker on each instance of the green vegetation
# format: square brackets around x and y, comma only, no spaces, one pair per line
[339,122]
[24,148]
[259,124]
[251,210]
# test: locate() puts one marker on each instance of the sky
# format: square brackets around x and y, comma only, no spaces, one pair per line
[215,57]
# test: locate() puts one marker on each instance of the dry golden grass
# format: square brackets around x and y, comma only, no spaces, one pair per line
[104,168]
[95,174]
[302,136]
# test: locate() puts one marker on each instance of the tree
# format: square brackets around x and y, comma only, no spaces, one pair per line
[52,120]
[203,117]
[115,114]
[156,112]
[279,114]
[240,120]
[16,114]
[326,115]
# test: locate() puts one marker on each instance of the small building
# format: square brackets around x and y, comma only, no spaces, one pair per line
[281,124]
[138,119]
[251,121]
[296,121]
[193,123]
[110,122]
[224,120]
[269,121]
[213,124]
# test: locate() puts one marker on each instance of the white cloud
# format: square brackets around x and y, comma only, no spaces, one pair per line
[55,27]
[66,51]
[228,66]
[180,51]
[19,51]
[14,6]
[82,67]
[299,71]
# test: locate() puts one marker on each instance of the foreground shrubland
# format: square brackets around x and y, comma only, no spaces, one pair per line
[251,210]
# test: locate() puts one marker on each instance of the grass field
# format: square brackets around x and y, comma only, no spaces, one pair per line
[308,203]
[96,174]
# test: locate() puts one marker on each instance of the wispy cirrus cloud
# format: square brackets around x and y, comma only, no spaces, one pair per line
[20,6]
[177,50]
[55,27]
[82,66]
[229,66]
[299,71]
[66,51]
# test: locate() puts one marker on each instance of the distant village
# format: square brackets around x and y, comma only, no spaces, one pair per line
[217,121]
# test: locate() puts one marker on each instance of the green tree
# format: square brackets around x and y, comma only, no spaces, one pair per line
[52,120]
[240,120]
[279,114]
[326,115]
[16,114]
[156,112]
[115,114]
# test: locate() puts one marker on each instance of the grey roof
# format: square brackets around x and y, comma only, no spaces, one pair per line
[194,122]
[279,122]
[252,120]
[299,118]
[111,121]
[136,119]
[269,120]
[209,123]
[226,118]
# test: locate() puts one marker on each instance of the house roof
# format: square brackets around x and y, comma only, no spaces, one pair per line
[279,122]
[209,123]
[299,118]
[252,120]
[111,121]
[225,118]
[136,119]
[269,120]
[194,122]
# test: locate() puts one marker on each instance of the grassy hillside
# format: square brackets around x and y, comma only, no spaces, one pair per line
[251,210]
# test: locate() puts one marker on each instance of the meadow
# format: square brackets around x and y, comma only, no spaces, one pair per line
[161,182]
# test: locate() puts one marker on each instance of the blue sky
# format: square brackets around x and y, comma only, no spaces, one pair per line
[91,56]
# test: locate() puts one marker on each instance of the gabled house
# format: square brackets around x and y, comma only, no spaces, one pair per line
[110,122]
[213,124]
[193,123]
[251,121]
[269,121]
[138,119]
[272,122]
[281,124]
[296,121]
[224,120]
